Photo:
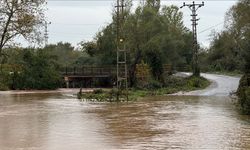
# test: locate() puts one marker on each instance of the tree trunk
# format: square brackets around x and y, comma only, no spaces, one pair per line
[132,75]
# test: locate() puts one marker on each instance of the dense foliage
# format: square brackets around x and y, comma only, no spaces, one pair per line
[38,71]
[20,18]
[35,68]
[230,49]
[154,34]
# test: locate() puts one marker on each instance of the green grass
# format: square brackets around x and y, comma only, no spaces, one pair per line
[232,73]
[172,85]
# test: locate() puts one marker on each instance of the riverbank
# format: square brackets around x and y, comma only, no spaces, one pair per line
[48,121]
[173,84]
[61,90]
[220,85]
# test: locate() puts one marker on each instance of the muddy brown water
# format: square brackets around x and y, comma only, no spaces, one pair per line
[61,122]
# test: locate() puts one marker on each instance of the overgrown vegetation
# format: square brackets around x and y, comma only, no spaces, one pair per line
[229,49]
[239,31]
[244,94]
[38,68]
[155,34]
[20,19]
[171,85]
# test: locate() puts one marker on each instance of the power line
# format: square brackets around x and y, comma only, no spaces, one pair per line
[82,24]
[194,7]
[132,0]
[211,27]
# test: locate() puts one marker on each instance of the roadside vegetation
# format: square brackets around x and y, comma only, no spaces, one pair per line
[229,52]
[171,85]
[39,69]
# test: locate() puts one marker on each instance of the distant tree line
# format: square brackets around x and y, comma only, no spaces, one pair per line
[230,49]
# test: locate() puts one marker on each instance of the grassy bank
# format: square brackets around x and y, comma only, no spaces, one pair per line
[227,73]
[172,85]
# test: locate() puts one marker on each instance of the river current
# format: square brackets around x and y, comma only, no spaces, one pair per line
[56,121]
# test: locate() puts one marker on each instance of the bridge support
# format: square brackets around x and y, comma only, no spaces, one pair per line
[66,79]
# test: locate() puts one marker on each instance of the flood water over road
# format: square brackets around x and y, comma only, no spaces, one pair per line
[61,122]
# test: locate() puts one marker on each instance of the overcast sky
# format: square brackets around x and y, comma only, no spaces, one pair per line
[77,20]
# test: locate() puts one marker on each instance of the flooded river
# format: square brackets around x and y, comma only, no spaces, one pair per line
[58,121]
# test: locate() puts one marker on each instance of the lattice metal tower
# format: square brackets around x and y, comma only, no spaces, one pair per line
[194,7]
[122,72]
[46,32]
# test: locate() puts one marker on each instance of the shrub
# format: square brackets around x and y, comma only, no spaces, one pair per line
[244,94]
[4,81]
[197,82]
[153,84]
[98,91]
[172,81]
[39,71]
[3,87]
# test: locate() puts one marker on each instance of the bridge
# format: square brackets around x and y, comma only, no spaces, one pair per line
[97,76]
[89,76]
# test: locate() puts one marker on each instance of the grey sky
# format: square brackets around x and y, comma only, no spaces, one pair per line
[75,21]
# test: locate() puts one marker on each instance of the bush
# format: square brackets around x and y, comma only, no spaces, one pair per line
[197,82]
[244,94]
[4,81]
[98,91]
[3,87]
[39,72]
[172,81]
[153,84]
[150,85]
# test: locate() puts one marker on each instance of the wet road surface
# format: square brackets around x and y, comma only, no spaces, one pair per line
[221,85]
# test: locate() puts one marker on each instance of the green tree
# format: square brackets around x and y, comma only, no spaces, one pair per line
[20,18]
[39,71]
[238,25]
[89,47]
[64,54]
[224,53]
[153,34]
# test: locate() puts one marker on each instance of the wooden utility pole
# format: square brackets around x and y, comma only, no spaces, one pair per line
[122,72]
[194,7]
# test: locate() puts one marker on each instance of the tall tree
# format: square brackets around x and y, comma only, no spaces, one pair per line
[238,24]
[20,18]
[152,35]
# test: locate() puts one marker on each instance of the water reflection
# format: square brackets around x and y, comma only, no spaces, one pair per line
[56,121]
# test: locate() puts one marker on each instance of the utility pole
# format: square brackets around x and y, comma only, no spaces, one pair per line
[143,2]
[46,33]
[122,72]
[194,7]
